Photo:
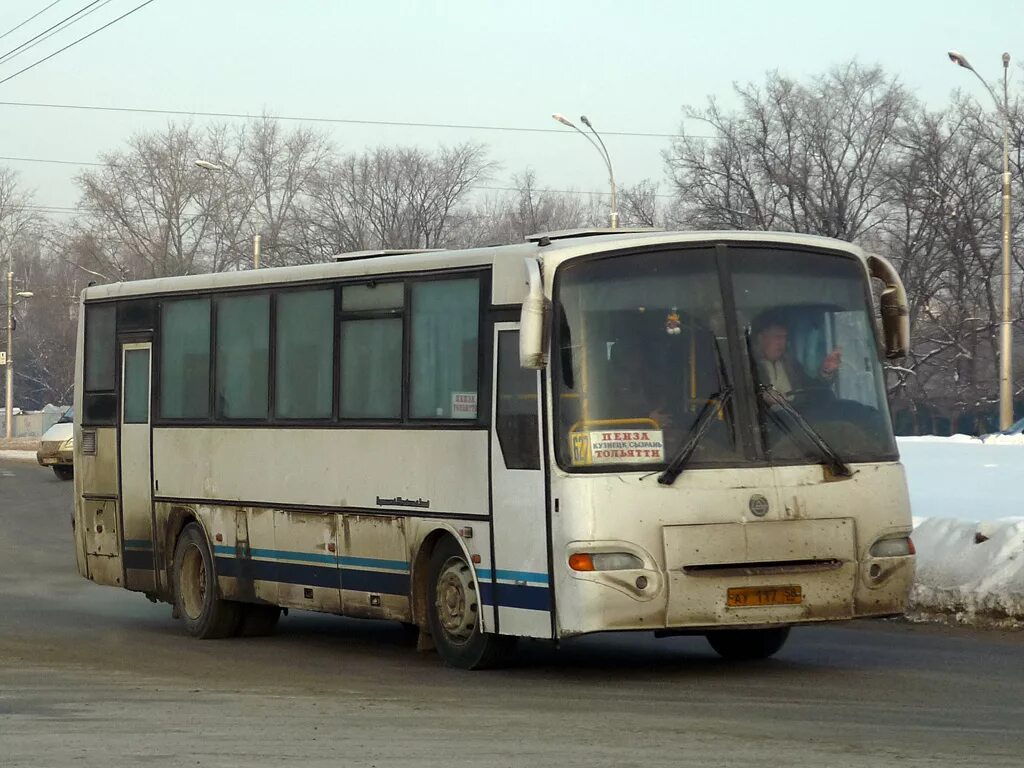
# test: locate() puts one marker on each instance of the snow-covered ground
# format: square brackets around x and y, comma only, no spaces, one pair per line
[967,498]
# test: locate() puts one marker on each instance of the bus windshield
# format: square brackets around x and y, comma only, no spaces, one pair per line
[644,349]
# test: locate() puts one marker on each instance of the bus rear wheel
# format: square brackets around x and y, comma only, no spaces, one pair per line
[206,615]
[748,644]
[453,613]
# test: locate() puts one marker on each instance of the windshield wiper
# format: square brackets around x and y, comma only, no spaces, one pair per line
[832,459]
[715,403]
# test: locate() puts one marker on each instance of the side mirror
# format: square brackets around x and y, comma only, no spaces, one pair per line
[533,349]
[893,306]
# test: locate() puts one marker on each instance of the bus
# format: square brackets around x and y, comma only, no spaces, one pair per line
[590,431]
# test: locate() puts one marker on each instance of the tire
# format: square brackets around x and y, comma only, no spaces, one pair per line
[206,615]
[748,644]
[258,620]
[453,613]
[64,472]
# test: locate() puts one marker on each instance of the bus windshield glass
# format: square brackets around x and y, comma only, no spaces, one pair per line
[807,318]
[643,348]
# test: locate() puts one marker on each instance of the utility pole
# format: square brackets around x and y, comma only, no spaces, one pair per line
[255,251]
[9,368]
[1006,322]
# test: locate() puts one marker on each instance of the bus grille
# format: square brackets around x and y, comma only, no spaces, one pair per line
[89,442]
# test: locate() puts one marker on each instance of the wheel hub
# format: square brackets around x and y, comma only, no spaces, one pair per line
[457,604]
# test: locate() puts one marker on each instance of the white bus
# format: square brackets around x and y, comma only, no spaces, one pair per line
[590,431]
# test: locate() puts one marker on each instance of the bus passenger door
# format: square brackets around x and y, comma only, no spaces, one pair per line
[135,469]
[520,582]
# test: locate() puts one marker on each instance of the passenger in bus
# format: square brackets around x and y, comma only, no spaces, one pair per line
[781,370]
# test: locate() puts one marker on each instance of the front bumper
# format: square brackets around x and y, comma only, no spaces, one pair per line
[55,457]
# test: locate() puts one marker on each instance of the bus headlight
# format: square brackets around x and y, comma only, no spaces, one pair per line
[901,546]
[604,561]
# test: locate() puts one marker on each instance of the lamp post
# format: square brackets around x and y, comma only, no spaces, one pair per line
[206,165]
[601,150]
[9,367]
[1006,325]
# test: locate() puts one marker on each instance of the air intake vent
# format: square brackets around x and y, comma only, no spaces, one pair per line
[89,442]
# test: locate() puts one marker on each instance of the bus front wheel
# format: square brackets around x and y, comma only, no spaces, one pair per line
[747,644]
[454,612]
[206,615]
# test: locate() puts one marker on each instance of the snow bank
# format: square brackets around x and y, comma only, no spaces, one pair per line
[971,572]
[966,498]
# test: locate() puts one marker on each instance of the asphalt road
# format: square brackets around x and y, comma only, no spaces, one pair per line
[95,676]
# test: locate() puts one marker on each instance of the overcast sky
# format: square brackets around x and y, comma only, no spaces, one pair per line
[628,65]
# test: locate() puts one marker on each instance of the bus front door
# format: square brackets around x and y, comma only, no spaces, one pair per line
[135,469]
[520,584]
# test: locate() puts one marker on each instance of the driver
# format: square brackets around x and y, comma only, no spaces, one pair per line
[781,370]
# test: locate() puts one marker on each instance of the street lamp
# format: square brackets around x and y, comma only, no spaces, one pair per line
[601,150]
[9,358]
[206,165]
[1006,326]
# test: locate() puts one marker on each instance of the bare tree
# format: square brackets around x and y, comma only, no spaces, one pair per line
[393,198]
[806,158]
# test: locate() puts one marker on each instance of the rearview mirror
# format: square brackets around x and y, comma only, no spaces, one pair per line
[533,348]
[893,307]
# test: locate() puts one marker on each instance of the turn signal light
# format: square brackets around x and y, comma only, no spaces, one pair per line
[581,561]
[604,561]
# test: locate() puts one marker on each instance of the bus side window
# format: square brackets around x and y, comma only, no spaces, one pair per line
[243,356]
[445,327]
[516,407]
[184,391]
[100,367]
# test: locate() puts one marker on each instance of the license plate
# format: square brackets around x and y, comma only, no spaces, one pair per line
[47,461]
[750,597]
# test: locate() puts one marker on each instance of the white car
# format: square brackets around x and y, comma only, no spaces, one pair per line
[56,446]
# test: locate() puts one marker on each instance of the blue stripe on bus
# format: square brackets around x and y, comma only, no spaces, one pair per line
[502,575]
[138,544]
[314,557]
[380,582]
[387,582]
[516,596]
[370,562]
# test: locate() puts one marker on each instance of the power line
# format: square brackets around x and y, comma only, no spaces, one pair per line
[31,39]
[16,27]
[76,42]
[48,160]
[338,120]
[25,47]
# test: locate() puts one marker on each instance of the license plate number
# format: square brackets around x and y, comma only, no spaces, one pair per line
[750,597]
